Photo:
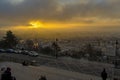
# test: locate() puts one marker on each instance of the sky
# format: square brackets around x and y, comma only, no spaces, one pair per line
[58,16]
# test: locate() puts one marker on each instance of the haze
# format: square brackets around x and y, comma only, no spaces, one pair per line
[59,18]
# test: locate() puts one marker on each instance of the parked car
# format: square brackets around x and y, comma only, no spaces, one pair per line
[10,51]
[2,50]
[33,53]
[25,52]
[18,51]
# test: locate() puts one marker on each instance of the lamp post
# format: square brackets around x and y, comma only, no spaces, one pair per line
[116,54]
[116,49]
[116,59]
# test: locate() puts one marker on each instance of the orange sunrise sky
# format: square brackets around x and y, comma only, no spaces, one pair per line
[52,17]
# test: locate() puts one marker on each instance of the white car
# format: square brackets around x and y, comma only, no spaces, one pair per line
[33,53]
[18,51]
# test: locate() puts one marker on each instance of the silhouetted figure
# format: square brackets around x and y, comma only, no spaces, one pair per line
[7,75]
[115,79]
[104,74]
[13,78]
[24,63]
[43,78]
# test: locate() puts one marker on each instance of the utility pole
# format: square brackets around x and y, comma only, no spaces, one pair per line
[116,49]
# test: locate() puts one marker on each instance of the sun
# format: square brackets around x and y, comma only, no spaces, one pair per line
[36,24]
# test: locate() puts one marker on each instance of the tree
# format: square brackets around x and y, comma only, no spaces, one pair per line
[56,48]
[89,49]
[9,41]
[29,44]
[93,53]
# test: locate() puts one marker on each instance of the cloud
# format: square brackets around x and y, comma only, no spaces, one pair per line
[94,8]
[27,10]
[53,10]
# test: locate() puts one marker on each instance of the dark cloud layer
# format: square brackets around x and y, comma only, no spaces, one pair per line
[52,10]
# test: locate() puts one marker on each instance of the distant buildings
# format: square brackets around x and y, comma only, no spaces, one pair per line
[107,47]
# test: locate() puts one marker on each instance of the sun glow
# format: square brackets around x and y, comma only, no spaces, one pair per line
[54,25]
[36,24]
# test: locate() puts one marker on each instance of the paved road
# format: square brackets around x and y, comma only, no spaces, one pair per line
[34,73]
[82,66]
